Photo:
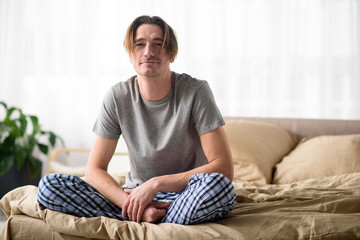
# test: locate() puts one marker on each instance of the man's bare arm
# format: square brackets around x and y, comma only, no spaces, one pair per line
[96,171]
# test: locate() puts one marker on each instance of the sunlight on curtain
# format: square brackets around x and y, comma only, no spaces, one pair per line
[271,58]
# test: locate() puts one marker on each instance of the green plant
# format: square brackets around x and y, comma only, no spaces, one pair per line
[20,135]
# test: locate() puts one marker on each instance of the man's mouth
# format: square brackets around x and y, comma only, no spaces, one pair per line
[149,61]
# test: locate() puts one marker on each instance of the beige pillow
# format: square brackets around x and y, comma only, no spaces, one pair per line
[320,157]
[257,147]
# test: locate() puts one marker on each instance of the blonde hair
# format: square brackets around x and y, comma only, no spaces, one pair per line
[169,44]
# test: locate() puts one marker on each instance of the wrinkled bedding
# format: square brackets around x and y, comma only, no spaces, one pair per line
[321,208]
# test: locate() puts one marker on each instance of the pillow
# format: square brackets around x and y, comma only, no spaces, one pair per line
[320,156]
[256,148]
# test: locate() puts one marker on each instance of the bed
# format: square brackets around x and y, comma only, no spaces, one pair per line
[294,179]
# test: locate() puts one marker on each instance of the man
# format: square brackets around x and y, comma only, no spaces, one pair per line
[181,164]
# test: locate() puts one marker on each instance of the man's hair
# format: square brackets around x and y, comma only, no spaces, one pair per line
[169,44]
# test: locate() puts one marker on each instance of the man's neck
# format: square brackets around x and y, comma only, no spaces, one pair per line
[155,88]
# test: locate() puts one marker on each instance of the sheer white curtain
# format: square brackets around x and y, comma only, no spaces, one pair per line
[277,58]
[291,58]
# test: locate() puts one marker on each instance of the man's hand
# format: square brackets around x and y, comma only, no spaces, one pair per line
[138,200]
[154,212]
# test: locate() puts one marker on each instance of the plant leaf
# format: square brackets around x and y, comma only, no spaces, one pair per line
[9,143]
[6,163]
[52,138]
[34,166]
[8,114]
[57,137]
[43,148]
[31,144]
[20,157]
[35,124]
[4,128]
[23,124]
[4,104]
[15,131]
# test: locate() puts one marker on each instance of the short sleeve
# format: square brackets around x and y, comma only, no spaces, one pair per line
[107,123]
[205,113]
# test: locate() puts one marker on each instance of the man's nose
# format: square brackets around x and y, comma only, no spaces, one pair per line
[149,51]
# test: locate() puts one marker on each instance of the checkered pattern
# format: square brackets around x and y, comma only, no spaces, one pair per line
[71,195]
[207,197]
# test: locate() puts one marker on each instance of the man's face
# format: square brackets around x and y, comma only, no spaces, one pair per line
[149,58]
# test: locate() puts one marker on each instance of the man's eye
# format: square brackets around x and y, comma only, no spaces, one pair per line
[139,45]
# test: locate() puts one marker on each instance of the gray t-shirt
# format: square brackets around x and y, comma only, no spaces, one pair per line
[162,136]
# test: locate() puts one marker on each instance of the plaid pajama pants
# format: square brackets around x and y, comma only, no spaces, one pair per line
[208,197]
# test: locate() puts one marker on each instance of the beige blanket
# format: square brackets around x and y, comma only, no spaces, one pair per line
[325,208]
